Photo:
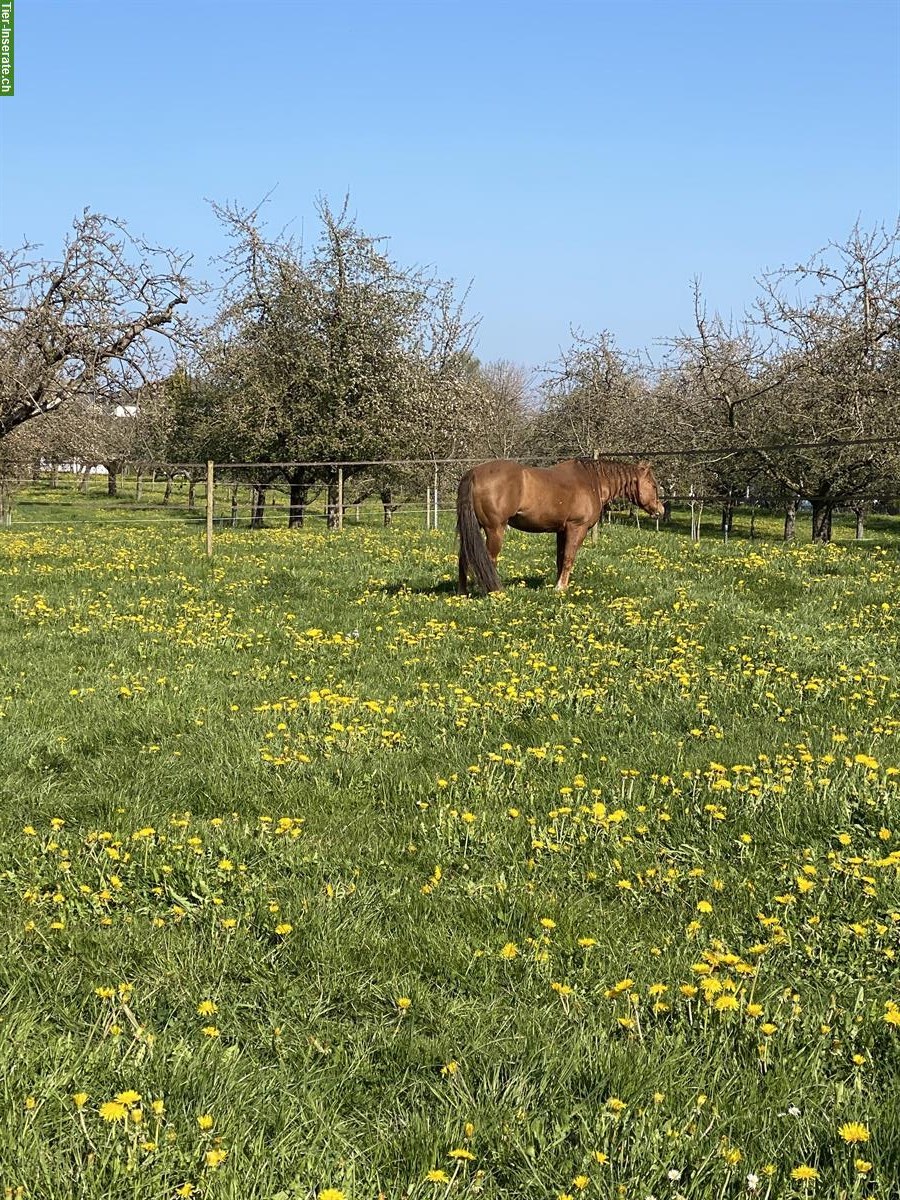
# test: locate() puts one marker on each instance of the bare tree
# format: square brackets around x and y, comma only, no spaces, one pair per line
[594,398]
[836,320]
[92,323]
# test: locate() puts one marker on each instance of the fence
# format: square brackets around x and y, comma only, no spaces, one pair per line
[235,494]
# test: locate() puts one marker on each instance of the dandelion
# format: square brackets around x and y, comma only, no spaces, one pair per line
[853,1132]
[461,1154]
[580,1182]
[404,1003]
[437,1176]
[510,950]
[128,1098]
[211,1031]
[862,1165]
[113,1110]
[215,1157]
[284,928]
[80,1099]
[614,1104]
[206,1008]
[804,1172]
[205,1121]
[331,1194]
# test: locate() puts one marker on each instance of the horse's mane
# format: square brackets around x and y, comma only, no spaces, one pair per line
[620,477]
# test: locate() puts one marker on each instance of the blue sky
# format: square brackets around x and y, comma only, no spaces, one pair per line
[579,163]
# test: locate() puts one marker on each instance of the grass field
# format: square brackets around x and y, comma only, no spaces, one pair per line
[320,881]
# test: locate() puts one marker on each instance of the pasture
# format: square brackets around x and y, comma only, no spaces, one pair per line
[320,881]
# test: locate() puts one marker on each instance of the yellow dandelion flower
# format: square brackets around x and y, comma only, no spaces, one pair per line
[727,1003]
[461,1154]
[331,1194]
[854,1131]
[215,1157]
[804,1172]
[113,1110]
[510,950]
[437,1176]
[206,1008]
[862,1165]
[404,1003]
[80,1099]
[205,1121]
[128,1098]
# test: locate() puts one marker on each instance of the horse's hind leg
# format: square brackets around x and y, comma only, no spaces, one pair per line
[570,540]
[494,539]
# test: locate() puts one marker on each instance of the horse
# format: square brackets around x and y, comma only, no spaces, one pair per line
[566,499]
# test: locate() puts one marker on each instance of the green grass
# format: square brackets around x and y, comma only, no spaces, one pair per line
[314,732]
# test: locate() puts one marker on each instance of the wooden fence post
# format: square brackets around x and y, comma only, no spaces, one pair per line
[340,498]
[596,455]
[435,496]
[210,502]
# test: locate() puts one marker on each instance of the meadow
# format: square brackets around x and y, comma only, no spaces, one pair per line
[319,881]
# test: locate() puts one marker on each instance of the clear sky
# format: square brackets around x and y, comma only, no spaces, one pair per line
[578,162]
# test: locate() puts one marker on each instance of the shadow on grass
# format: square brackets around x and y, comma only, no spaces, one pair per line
[447,587]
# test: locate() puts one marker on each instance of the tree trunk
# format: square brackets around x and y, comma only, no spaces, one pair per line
[821,519]
[258,505]
[167,494]
[297,507]
[139,485]
[790,519]
[234,504]
[54,475]
[191,488]
[727,517]
[83,482]
[387,500]
[667,511]
[112,478]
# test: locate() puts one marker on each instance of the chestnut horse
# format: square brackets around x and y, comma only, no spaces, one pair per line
[566,499]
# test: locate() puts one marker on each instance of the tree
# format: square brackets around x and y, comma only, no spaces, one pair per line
[836,320]
[594,399]
[94,323]
[338,356]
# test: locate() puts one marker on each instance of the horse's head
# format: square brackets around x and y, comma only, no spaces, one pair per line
[648,491]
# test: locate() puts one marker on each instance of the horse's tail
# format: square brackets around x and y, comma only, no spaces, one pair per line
[473,553]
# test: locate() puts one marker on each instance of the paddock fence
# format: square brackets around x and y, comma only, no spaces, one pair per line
[413,492]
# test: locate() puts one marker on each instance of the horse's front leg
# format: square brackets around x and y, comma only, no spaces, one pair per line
[567,544]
